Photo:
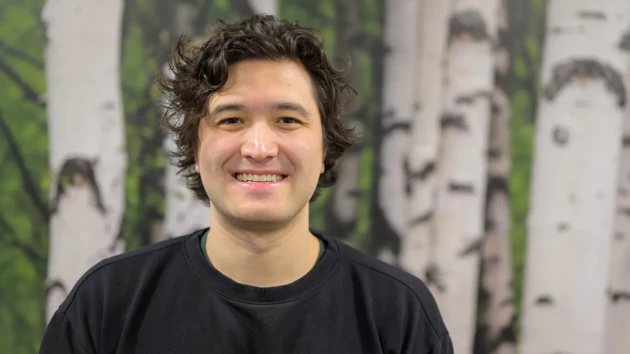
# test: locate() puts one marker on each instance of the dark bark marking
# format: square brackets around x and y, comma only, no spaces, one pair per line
[544,300]
[508,301]
[563,226]
[619,236]
[585,69]
[422,218]
[507,334]
[469,25]
[492,261]
[56,284]
[498,184]
[433,275]
[625,211]
[560,135]
[624,43]
[489,225]
[595,15]
[471,248]
[119,238]
[405,127]
[461,187]
[495,109]
[109,105]
[454,120]
[417,106]
[77,171]
[421,175]
[470,99]
[494,153]
[558,30]
[617,296]
[622,192]
[626,141]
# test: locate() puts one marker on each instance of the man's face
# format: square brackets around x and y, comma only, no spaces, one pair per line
[261,150]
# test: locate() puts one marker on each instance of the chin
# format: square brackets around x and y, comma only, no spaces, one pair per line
[265,215]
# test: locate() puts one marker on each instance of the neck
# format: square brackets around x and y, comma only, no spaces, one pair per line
[273,257]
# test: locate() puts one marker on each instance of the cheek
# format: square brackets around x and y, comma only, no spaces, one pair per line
[308,154]
[213,153]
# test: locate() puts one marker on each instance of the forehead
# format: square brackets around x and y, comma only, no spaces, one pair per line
[257,82]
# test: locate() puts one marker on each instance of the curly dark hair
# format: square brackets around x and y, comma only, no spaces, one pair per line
[197,70]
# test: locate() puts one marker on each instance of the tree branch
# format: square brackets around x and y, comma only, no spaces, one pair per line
[22,56]
[29,93]
[39,261]
[29,185]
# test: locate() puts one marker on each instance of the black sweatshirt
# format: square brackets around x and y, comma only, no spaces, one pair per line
[167,298]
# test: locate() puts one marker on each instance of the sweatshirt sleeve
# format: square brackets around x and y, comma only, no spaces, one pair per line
[444,345]
[60,337]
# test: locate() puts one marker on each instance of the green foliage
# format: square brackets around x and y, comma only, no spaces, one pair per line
[23,155]
[527,22]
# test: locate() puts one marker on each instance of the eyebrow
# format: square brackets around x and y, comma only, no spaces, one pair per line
[282,106]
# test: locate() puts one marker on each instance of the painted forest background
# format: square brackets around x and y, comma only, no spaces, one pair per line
[379,181]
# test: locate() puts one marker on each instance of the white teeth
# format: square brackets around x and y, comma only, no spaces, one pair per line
[248,177]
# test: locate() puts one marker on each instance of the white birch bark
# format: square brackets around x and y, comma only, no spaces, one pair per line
[184,212]
[618,312]
[575,167]
[432,34]
[267,7]
[87,143]
[461,179]
[398,104]
[496,283]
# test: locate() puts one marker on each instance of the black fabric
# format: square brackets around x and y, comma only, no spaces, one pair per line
[167,298]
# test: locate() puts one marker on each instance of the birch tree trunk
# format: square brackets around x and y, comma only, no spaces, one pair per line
[341,211]
[87,143]
[397,110]
[184,212]
[432,32]
[497,310]
[618,322]
[462,165]
[267,7]
[575,167]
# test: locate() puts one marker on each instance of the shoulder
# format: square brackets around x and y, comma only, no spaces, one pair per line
[119,276]
[396,289]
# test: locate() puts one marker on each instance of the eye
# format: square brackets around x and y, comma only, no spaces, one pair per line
[288,120]
[230,121]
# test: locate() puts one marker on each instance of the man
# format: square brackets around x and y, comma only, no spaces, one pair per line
[256,114]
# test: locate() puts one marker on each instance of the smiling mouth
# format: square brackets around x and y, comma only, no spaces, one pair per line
[253,178]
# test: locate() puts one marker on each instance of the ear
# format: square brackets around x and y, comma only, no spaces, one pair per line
[323,165]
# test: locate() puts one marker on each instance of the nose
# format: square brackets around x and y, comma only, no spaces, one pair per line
[260,142]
